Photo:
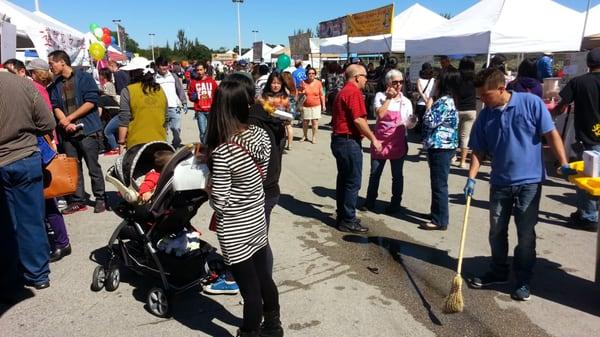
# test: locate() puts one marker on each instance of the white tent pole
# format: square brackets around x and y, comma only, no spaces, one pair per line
[37,5]
[487,63]
[587,13]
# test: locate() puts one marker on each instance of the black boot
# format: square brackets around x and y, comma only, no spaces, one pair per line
[271,326]
[241,333]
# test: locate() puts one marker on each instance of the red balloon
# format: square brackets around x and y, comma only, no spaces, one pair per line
[106,39]
[105,31]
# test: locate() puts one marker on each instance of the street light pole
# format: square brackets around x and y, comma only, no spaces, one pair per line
[238,2]
[152,35]
[255,31]
[116,22]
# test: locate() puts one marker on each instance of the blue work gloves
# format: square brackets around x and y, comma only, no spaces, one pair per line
[566,170]
[469,187]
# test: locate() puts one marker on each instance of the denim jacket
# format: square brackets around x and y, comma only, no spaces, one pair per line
[441,125]
[86,90]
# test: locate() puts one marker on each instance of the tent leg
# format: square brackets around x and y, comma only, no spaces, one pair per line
[487,63]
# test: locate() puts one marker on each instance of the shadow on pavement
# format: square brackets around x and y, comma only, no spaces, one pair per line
[8,301]
[550,281]
[305,209]
[190,308]
[459,199]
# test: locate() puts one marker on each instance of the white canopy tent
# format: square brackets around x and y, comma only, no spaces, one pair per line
[503,26]
[411,22]
[44,33]
[592,26]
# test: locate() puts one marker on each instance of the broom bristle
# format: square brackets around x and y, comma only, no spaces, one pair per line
[454,301]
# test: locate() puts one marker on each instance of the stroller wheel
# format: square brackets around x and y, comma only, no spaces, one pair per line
[157,302]
[98,278]
[113,278]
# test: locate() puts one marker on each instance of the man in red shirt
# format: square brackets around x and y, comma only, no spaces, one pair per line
[201,91]
[349,120]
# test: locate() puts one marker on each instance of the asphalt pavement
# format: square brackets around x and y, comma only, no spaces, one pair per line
[390,282]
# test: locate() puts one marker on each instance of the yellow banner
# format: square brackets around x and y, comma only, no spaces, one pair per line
[374,22]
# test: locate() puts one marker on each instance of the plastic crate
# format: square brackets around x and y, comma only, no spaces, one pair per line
[590,185]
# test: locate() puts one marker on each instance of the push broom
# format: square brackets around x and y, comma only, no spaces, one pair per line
[454,301]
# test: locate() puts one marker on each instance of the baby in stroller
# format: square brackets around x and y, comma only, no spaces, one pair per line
[147,187]
[177,194]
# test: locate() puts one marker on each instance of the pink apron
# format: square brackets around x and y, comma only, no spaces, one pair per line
[391,132]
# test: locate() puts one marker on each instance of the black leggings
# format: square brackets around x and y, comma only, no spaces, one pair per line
[257,287]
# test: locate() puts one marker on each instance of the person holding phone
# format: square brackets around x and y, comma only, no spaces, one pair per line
[394,116]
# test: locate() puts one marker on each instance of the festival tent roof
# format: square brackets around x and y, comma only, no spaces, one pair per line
[408,23]
[45,33]
[503,26]
[593,22]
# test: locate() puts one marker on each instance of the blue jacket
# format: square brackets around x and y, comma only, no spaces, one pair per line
[86,90]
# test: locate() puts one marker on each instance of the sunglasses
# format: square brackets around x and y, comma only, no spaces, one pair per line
[397,82]
[312,73]
[359,75]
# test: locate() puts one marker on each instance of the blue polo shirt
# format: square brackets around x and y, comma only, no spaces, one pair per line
[513,139]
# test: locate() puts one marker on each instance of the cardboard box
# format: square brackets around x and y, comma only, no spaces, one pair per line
[591,163]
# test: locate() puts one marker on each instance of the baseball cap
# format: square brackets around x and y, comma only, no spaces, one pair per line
[355,60]
[593,58]
[242,63]
[137,63]
[37,64]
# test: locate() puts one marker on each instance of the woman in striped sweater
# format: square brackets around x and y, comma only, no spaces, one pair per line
[239,156]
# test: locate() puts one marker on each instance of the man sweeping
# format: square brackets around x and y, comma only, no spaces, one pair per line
[509,129]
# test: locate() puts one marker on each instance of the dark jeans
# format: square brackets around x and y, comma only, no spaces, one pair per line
[86,148]
[523,202]
[439,168]
[257,288]
[348,157]
[24,249]
[377,166]
[55,221]
[270,203]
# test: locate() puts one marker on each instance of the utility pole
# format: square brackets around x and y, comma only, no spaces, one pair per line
[238,2]
[254,31]
[152,35]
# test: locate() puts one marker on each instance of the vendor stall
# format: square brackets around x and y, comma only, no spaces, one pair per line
[38,31]
[503,26]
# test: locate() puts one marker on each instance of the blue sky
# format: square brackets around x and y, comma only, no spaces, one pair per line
[214,22]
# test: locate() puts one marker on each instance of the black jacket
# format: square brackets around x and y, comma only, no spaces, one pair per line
[274,127]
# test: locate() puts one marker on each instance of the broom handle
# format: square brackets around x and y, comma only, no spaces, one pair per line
[463,236]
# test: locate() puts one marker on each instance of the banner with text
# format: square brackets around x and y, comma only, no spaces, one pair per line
[121,37]
[300,44]
[57,40]
[257,50]
[332,28]
[374,22]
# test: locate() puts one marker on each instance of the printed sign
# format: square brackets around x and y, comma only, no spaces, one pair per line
[332,28]
[300,44]
[56,40]
[374,22]
[224,57]
[257,49]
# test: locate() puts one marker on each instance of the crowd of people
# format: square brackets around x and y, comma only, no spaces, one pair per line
[142,101]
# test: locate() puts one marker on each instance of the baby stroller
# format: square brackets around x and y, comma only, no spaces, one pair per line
[178,195]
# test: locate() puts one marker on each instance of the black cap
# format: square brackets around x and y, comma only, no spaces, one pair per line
[426,66]
[593,58]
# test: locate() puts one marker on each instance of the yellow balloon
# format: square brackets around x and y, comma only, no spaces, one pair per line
[97,51]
